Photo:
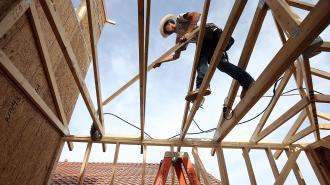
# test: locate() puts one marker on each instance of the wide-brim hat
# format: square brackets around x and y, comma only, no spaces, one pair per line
[164,21]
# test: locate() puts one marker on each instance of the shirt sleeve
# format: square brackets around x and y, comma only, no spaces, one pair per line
[181,17]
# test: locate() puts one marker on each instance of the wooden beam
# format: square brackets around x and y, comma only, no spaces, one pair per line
[320,73]
[310,93]
[270,108]
[296,170]
[325,126]
[292,131]
[287,167]
[93,39]
[13,15]
[288,20]
[142,65]
[136,77]
[222,166]
[323,115]
[249,166]
[248,47]
[205,176]
[291,28]
[218,52]
[144,164]
[322,178]
[197,168]
[322,98]
[196,57]
[114,164]
[300,135]
[71,59]
[272,162]
[300,4]
[315,22]
[46,61]
[296,68]
[324,47]
[84,163]
[283,118]
[16,76]
[201,143]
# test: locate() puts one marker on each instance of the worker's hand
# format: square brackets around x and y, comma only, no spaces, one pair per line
[157,64]
[185,37]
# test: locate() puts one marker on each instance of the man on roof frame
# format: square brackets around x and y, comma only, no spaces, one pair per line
[183,25]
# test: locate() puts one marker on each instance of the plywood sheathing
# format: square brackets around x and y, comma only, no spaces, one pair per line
[28,141]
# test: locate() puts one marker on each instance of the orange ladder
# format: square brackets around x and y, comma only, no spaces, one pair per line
[177,159]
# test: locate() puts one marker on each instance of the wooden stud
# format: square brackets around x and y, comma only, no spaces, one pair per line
[272,162]
[251,39]
[93,40]
[270,108]
[205,176]
[196,57]
[320,73]
[300,135]
[222,166]
[310,92]
[142,64]
[324,47]
[114,164]
[218,52]
[283,118]
[84,163]
[17,77]
[288,20]
[71,59]
[287,167]
[249,166]
[202,143]
[197,168]
[323,115]
[45,58]
[300,4]
[296,170]
[292,131]
[322,98]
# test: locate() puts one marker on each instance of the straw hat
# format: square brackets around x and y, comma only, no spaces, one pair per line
[164,21]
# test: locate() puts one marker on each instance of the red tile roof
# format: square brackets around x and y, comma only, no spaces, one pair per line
[100,173]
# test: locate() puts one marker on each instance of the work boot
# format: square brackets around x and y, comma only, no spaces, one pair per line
[95,134]
[244,90]
[193,95]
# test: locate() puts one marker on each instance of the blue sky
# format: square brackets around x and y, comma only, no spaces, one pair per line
[167,87]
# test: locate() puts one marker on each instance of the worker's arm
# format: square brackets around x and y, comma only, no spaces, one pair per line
[169,58]
[193,18]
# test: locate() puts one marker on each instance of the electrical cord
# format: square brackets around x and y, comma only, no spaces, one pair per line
[231,111]
[108,113]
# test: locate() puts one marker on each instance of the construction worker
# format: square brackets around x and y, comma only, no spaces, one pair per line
[183,25]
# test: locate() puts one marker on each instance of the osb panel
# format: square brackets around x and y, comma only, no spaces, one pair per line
[28,141]
[324,156]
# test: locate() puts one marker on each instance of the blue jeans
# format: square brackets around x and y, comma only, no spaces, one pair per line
[235,72]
